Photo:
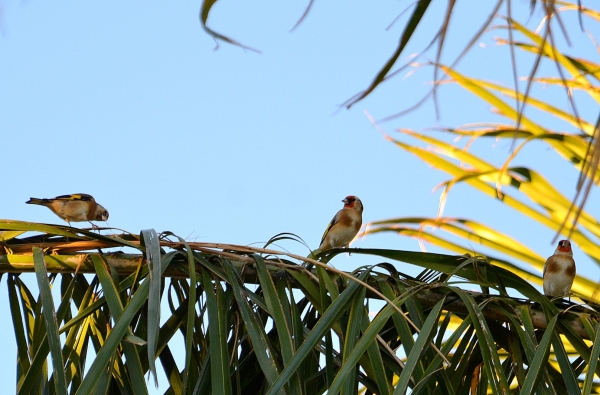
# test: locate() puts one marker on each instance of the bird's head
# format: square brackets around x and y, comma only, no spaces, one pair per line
[353,202]
[564,246]
[101,214]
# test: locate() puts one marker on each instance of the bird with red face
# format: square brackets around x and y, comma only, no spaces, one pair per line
[76,207]
[559,271]
[344,226]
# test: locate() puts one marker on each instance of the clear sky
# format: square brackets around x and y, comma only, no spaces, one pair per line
[135,104]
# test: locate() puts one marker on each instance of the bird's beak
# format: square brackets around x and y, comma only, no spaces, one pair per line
[345,201]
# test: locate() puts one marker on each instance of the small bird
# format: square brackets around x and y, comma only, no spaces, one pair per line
[78,207]
[344,225]
[559,271]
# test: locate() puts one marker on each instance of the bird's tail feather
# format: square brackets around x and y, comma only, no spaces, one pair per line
[37,201]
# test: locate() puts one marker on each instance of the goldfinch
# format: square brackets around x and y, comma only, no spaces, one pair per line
[344,225]
[78,207]
[559,271]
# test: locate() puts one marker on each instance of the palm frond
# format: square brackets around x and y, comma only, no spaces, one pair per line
[257,321]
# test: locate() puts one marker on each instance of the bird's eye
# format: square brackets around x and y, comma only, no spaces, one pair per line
[351,199]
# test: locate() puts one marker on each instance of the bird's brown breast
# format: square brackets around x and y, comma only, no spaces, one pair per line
[350,220]
[559,264]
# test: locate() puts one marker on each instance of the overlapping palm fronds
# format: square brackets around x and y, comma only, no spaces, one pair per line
[225,319]
[524,189]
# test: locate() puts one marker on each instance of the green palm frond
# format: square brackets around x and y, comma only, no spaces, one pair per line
[255,320]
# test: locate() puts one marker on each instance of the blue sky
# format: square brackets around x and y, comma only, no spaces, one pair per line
[133,104]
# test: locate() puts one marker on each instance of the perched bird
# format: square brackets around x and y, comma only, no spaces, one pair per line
[559,271]
[344,225]
[78,207]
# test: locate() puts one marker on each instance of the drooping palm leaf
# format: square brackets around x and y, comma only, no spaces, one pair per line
[274,338]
